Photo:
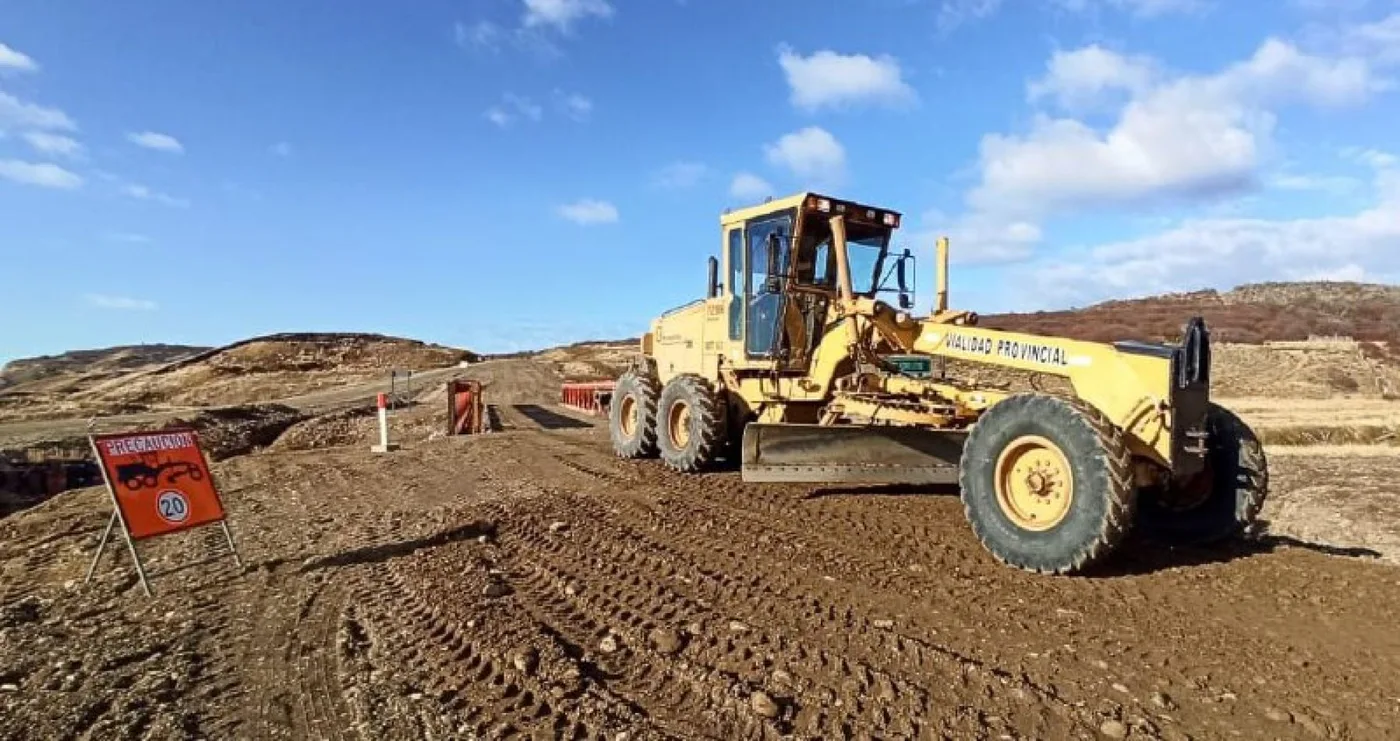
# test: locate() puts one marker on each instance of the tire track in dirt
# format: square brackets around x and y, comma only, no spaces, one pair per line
[474,668]
[1087,649]
[823,617]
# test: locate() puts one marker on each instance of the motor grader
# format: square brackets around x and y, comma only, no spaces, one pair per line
[785,365]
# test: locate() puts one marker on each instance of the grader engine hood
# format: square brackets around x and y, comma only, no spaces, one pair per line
[676,339]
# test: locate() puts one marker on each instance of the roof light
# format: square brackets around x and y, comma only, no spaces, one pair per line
[823,205]
[890,220]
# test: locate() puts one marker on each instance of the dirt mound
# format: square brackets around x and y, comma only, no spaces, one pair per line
[232,431]
[591,361]
[346,427]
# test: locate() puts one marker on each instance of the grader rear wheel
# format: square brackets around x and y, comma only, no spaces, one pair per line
[1221,502]
[1047,483]
[632,416]
[692,424]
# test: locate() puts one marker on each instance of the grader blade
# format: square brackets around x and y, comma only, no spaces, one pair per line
[850,454]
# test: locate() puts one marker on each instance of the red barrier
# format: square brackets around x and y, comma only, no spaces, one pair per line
[466,412]
[589,398]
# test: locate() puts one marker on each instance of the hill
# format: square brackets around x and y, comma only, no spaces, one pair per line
[249,371]
[1248,314]
[59,372]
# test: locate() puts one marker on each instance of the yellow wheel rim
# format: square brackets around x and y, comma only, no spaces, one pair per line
[628,415]
[1034,483]
[678,425]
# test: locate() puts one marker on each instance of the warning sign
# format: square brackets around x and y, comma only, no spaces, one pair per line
[160,481]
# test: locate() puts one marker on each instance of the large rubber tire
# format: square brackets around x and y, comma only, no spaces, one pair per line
[635,395]
[1237,474]
[1102,498]
[690,424]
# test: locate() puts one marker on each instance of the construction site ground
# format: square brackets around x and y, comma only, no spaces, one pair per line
[526,583]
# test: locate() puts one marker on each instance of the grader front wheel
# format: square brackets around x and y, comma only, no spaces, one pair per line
[1047,483]
[1035,483]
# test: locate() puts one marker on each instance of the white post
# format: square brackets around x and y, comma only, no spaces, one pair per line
[384,445]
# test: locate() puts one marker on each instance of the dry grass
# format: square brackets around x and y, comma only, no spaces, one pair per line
[1338,496]
[1333,451]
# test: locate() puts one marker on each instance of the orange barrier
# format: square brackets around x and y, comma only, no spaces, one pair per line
[466,412]
[590,398]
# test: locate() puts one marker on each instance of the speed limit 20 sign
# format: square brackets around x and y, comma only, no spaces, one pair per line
[160,483]
[160,480]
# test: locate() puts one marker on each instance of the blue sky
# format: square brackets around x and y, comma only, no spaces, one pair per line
[504,174]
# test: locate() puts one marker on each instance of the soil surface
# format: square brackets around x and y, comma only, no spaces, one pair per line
[526,583]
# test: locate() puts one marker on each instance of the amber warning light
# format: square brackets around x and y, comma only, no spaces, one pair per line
[853,212]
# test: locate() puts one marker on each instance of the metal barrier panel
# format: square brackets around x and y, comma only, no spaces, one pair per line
[590,398]
[466,410]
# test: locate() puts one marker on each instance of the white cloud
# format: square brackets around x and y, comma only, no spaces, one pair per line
[1379,39]
[281,149]
[574,105]
[47,143]
[977,238]
[498,115]
[1141,8]
[1225,252]
[1192,136]
[812,154]
[15,113]
[1371,157]
[561,14]
[13,60]
[123,303]
[954,13]
[681,174]
[829,79]
[157,141]
[480,35]
[749,187]
[1318,183]
[143,193]
[41,174]
[1081,78]
[588,212]
[513,108]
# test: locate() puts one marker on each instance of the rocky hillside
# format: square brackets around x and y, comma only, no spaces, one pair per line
[255,370]
[1248,314]
[57,371]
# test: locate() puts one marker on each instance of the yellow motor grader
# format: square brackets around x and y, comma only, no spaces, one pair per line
[785,364]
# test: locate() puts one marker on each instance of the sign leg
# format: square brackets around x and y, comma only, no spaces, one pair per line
[229,535]
[140,570]
[101,546]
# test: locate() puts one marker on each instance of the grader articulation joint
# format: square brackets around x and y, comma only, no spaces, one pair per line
[795,365]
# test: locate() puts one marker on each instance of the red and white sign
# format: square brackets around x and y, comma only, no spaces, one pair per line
[160,481]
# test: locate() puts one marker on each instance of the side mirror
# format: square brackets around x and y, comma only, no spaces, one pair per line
[713,289]
[906,301]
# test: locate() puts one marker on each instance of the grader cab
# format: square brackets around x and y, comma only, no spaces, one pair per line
[797,364]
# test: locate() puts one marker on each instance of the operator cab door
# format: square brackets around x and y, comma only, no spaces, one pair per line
[763,305]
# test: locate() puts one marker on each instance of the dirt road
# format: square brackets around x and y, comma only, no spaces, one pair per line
[527,584]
